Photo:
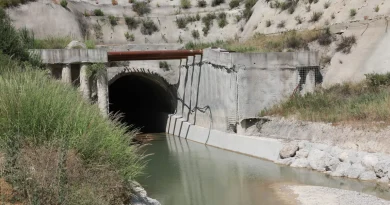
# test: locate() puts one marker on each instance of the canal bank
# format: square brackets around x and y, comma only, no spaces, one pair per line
[181,171]
[278,142]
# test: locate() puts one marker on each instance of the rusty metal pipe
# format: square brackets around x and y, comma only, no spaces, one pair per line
[156,53]
[151,55]
[124,58]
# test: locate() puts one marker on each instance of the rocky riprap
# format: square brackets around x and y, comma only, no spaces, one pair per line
[139,196]
[335,161]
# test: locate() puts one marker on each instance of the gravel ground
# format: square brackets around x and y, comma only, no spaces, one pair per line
[315,195]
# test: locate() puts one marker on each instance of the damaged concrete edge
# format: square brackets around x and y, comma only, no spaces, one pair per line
[274,60]
[69,56]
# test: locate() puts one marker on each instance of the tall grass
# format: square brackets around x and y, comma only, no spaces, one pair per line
[52,42]
[36,110]
[58,148]
[367,101]
[264,43]
[11,3]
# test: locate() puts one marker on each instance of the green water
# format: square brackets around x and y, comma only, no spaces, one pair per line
[182,172]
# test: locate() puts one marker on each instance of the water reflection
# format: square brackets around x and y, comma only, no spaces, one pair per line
[182,172]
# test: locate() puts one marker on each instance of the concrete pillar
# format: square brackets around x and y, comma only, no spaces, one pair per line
[102,92]
[66,75]
[84,82]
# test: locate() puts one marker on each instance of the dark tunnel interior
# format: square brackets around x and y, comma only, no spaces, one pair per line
[144,101]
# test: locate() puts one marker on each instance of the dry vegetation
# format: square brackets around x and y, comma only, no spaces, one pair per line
[56,147]
[265,43]
[368,101]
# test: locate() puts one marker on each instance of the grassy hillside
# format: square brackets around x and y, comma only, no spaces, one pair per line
[55,147]
[368,101]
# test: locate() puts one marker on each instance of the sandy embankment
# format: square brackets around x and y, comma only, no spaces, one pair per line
[316,195]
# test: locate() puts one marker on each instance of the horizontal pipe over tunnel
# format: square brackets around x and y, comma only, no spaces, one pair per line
[151,55]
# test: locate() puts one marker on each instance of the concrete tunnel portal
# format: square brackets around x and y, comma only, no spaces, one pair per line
[143,99]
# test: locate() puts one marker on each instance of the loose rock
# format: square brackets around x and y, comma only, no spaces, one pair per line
[382,168]
[316,159]
[302,153]
[76,45]
[301,163]
[288,150]
[369,161]
[355,170]
[368,175]
[331,162]
[139,196]
[286,161]
[341,169]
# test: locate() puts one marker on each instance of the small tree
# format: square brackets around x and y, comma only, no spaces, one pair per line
[64,3]
[185,4]
[195,34]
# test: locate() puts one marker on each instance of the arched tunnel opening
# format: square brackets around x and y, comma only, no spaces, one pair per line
[145,100]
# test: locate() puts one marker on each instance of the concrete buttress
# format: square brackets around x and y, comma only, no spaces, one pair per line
[102,92]
[66,75]
[84,82]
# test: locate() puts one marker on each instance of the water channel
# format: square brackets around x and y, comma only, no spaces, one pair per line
[182,172]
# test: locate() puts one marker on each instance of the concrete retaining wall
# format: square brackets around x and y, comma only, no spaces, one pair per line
[226,88]
[254,146]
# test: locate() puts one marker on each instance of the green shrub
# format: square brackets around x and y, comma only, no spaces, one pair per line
[202,3]
[222,21]
[352,12]
[268,23]
[129,36]
[131,22]
[346,44]
[64,3]
[281,24]
[325,38]
[90,44]
[299,19]
[247,13]
[185,4]
[291,9]
[52,42]
[195,46]
[113,20]
[141,8]
[14,42]
[12,3]
[208,22]
[217,2]
[294,41]
[377,80]
[98,12]
[326,5]
[195,34]
[181,22]
[376,9]
[148,27]
[308,8]
[164,65]
[315,16]
[197,17]
[234,3]
[333,16]
[238,18]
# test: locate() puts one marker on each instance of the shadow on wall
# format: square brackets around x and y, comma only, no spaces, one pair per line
[144,99]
